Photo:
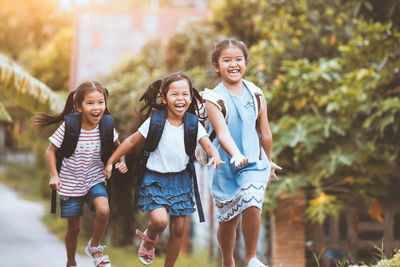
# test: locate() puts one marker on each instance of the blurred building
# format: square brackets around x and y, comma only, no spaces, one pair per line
[103,36]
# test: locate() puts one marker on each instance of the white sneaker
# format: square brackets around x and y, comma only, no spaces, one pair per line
[254,262]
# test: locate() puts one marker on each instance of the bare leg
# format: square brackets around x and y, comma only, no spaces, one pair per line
[251,220]
[226,239]
[100,223]
[176,228]
[158,223]
[71,240]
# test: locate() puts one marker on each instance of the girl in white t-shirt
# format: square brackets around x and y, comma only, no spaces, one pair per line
[166,187]
[81,176]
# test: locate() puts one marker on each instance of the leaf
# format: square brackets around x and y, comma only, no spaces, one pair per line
[26,91]
[4,116]
[322,206]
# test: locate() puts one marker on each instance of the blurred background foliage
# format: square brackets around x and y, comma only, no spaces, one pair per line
[329,70]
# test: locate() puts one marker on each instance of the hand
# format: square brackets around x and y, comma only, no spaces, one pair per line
[108,170]
[215,161]
[121,166]
[55,182]
[239,160]
[272,173]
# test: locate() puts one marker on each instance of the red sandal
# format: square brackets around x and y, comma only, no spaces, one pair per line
[146,256]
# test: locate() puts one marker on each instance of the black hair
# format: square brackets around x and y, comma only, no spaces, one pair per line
[221,45]
[159,88]
[74,99]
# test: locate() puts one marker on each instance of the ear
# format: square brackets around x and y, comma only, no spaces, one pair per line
[215,66]
[164,99]
[79,108]
[246,62]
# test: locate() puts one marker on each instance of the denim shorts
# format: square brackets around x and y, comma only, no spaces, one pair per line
[72,207]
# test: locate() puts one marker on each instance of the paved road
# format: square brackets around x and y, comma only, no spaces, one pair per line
[24,240]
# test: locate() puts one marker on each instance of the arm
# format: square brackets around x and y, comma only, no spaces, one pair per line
[55,181]
[221,129]
[129,143]
[211,151]
[266,136]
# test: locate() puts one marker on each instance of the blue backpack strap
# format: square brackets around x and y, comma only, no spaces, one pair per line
[157,122]
[190,122]
[73,122]
[190,135]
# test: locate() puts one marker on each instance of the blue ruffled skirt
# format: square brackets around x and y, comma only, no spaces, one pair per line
[174,191]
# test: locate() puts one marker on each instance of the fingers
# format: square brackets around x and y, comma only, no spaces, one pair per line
[275,167]
[121,166]
[273,174]
[107,171]
[215,162]
[239,160]
[55,183]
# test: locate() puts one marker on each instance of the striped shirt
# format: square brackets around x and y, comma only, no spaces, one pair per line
[84,168]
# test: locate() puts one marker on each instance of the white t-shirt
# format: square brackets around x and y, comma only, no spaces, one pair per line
[170,154]
[84,168]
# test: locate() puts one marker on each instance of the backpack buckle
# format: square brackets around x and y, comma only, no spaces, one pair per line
[146,154]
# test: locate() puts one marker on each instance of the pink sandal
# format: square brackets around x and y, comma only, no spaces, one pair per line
[97,261]
[146,257]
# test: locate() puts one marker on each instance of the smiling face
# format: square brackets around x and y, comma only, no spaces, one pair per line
[92,109]
[231,64]
[177,99]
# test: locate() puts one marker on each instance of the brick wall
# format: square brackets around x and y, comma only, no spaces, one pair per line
[288,232]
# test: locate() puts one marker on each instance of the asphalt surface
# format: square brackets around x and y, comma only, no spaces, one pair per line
[24,239]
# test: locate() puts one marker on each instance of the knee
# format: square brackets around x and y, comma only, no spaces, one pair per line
[159,224]
[177,231]
[73,230]
[103,211]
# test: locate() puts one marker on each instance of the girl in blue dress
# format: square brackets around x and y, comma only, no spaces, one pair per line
[244,139]
[166,188]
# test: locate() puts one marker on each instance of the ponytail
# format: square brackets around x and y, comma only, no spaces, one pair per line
[150,97]
[197,105]
[44,119]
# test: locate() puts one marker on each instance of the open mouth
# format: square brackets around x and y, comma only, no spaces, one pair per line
[180,107]
[95,115]
[234,71]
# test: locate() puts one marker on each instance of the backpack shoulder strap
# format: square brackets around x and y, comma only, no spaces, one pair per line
[73,122]
[216,99]
[256,92]
[106,127]
[190,124]
[156,128]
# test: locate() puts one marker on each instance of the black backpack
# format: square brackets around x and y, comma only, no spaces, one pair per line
[73,122]
[157,122]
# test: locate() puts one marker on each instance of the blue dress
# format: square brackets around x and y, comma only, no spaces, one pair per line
[235,189]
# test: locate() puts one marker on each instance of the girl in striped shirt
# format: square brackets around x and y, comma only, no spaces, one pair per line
[81,176]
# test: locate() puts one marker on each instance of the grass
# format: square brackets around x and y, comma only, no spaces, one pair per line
[24,180]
